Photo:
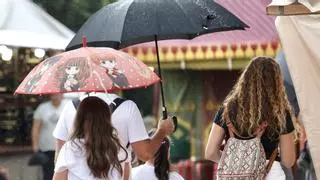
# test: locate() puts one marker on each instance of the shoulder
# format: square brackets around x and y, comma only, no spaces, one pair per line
[221,109]
[218,117]
[289,124]
[44,105]
[41,109]
[68,111]
[73,147]
[143,171]
[175,176]
[136,171]
[68,105]
[129,106]
[129,103]
[64,102]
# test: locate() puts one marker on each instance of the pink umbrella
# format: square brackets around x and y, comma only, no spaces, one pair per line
[87,70]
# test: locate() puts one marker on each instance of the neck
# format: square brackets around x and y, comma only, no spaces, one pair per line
[151,162]
[56,103]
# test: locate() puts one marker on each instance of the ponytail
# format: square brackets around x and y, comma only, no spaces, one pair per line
[161,160]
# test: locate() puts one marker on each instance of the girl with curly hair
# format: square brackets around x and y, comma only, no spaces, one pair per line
[257,98]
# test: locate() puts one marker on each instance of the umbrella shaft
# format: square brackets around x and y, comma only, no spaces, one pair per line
[164,109]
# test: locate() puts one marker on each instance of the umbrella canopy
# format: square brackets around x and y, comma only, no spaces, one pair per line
[129,22]
[291,93]
[87,70]
[24,24]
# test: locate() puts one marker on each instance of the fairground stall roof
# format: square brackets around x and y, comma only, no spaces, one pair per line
[222,50]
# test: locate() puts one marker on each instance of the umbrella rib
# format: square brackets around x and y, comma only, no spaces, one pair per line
[90,64]
[125,17]
[184,12]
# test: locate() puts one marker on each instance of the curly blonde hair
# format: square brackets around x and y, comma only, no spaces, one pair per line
[259,95]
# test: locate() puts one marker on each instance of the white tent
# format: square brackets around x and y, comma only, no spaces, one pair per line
[24,24]
[300,38]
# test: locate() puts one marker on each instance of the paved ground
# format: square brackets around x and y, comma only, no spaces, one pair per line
[18,167]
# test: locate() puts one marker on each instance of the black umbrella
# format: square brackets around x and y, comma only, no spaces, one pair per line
[129,22]
[291,93]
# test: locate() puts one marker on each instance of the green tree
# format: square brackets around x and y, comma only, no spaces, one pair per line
[72,13]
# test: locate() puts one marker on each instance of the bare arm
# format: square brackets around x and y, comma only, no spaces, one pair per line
[126,171]
[36,124]
[287,150]
[61,175]
[302,134]
[146,149]
[59,144]
[215,140]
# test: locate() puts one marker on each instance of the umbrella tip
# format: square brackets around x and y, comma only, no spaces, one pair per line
[84,41]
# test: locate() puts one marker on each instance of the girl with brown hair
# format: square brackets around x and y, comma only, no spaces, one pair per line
[92,151]
[258,100]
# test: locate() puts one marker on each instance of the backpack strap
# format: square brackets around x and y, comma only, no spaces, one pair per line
[233,131]
[115,104]
[271,160]
[76,102]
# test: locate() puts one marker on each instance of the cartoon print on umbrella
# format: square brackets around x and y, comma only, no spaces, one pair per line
[119,80]
[34,81]
[74,73]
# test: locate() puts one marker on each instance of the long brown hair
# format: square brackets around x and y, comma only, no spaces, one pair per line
[161,159]
[259,95]
[93,124]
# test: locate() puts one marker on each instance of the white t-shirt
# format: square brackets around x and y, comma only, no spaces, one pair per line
[126,119]
[72,158]
[146,172]
[48,115]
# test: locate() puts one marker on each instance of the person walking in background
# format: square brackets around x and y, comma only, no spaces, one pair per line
[256,108]
[92,152]
[127,120]
[4,173]
[45,119]
[159,167]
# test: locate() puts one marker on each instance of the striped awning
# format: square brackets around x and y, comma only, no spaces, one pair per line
[216,50]
[171,53]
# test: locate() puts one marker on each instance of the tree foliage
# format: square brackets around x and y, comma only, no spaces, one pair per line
[72,13]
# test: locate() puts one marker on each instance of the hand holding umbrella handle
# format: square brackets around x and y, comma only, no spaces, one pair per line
[174,118]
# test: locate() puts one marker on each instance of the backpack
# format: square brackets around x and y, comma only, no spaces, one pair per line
[113,106]
[244,159]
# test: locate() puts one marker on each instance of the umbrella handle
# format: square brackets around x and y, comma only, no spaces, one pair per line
[164,113]
[174,118]
[175,122]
